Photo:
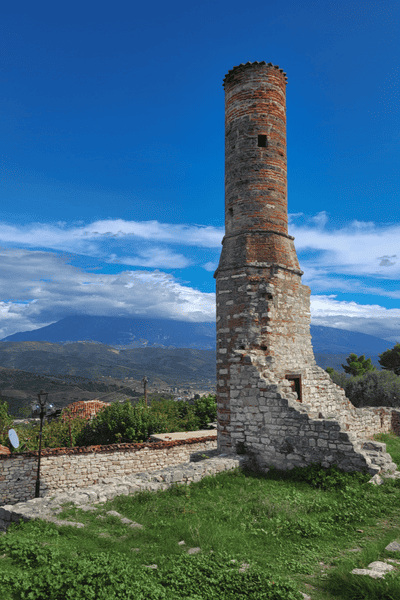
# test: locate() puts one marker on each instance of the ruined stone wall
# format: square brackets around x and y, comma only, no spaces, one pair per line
[63,469]
[271,395]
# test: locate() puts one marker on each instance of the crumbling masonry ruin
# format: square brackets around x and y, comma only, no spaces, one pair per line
[271,395]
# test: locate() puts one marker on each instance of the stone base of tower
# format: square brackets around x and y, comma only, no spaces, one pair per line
[271,396]
[279,431]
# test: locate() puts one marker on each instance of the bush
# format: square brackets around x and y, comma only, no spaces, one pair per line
[375,388]
[124,423]
[206,410]
[341,379]
[6,423]
[178,414]
[198,416]
[117,423]
[54,435]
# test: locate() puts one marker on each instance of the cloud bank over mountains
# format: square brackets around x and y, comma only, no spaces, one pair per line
[40,287]
[354,255]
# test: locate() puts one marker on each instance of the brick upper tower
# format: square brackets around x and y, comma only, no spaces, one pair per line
[256,168]
[270,392]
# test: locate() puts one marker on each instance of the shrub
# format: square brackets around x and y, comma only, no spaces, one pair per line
[375,388]
[177,415]
[114,424]
[54,435]
[341,379]
[124,423]
[206,410]
[6,423]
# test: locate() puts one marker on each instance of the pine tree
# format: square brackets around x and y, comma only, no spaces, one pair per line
[358,366]
[390,360]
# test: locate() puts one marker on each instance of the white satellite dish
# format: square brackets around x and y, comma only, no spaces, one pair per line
[12,434]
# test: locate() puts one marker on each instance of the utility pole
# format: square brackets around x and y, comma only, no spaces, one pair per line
[145,382]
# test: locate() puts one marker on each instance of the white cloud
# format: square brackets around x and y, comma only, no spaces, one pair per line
[39,288]
[58,237]
[320,219]
[42,289]
[360,249]
[188,235]
[371,319]
[139,244]
[210,266]
[154,257]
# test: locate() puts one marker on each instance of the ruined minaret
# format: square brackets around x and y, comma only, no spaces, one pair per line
[269,388]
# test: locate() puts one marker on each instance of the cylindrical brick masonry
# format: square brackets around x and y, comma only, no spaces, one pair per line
[255,149]
[256,222]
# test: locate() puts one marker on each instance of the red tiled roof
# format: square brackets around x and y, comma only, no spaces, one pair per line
[86,408]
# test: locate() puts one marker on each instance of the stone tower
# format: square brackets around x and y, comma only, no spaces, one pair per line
[271,395]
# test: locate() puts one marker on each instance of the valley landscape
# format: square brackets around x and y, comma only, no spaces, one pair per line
[85,357]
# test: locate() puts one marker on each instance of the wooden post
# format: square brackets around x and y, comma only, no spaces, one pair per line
[145,381]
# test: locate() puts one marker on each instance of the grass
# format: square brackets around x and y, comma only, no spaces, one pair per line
[294,529]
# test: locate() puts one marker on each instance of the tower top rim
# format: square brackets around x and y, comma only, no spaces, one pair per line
[244,66]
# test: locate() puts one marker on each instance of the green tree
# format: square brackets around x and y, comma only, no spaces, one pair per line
[340,379]
[358,366]
[390,360]
[374,388]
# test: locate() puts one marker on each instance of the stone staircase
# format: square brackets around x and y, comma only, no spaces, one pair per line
[377,458]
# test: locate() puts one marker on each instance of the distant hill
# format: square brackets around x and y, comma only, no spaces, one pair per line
[329,340]
[87,370]
[123,332]
[19,389]
[93,361]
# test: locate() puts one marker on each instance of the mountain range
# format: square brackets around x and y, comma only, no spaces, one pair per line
[124,332]
[83,357]
[164,333]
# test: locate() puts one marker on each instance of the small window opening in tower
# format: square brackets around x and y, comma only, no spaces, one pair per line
[295,384]
[230,211]
[262,141]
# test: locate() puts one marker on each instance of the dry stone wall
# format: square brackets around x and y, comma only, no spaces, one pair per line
[68,469]
[271,395]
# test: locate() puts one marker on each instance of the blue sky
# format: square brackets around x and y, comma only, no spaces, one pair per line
[112,160]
